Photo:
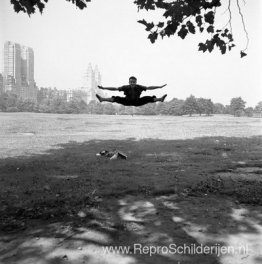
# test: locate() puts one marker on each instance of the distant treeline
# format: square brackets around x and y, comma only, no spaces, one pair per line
[11,103]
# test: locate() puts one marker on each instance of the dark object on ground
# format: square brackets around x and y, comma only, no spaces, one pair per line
[112,154]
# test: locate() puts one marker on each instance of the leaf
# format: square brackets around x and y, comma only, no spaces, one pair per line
[41,7]
[182,32]
[202,47]
[209,17]
[230,37]
[242,54]
[80,4]
[191,27]
[142,22]
[223,49]
[142,4]
[162,33]
[211,3]
[216,37]
[153,37]
[210,45]
[199,20]
[210,29]
[149,26]
[231,46]
[18,8]
[149,5]
[160,24]
[171,29]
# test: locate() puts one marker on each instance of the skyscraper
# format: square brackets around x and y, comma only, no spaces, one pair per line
[12,66]
[1,83]
[19,70]
[92,78]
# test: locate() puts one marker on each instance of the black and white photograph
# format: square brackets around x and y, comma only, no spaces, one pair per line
[130,132]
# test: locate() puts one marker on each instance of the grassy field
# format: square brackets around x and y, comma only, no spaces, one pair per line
[27,133]
[50,174]
[164,153]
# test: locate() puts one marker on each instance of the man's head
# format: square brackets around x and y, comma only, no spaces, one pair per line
[132,81]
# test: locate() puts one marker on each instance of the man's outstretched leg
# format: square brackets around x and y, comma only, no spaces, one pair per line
[102,99]
[148,99]
[115,99]
[161,99]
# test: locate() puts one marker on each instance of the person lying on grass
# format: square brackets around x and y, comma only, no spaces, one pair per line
[132,94]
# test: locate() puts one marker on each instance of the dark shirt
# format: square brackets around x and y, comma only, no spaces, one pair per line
[132,92]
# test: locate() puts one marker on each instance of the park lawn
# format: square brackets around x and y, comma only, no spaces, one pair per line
[58,199]
[72,174]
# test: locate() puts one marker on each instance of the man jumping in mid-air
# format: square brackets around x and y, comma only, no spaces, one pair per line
[132,94]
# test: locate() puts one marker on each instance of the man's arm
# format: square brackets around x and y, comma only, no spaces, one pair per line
[108,88]
[154,87]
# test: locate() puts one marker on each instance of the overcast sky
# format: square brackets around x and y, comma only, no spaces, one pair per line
[65,40]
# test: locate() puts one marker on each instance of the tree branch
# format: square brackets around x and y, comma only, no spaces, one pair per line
[243,23]
[230,16]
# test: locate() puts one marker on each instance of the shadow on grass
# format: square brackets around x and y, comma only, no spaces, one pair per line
[65,205]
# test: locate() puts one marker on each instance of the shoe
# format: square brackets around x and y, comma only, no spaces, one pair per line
[163,98]
[99,98]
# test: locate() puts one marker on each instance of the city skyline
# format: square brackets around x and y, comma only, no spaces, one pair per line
[119,45]
[18,76]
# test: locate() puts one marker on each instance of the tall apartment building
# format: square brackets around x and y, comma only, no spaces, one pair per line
[1,83]
[92,78]
[19,70]
[12,66]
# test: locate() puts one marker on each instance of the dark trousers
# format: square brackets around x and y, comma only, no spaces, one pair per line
[134,102]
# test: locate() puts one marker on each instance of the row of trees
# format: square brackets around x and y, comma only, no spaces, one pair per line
[192,105]
[11,103]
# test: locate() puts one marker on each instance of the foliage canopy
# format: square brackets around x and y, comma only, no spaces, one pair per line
[180,17]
